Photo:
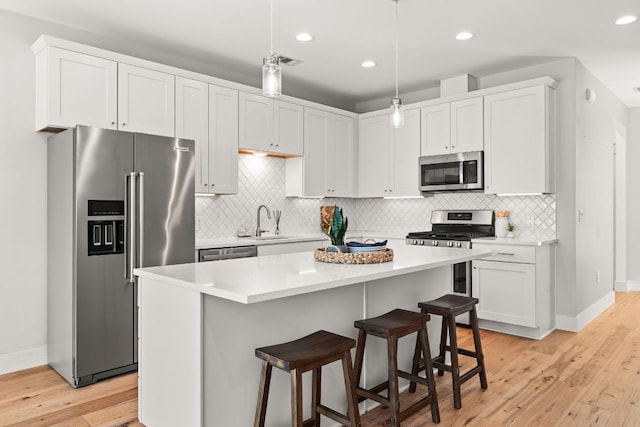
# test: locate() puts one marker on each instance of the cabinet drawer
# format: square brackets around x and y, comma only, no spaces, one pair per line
[509,253]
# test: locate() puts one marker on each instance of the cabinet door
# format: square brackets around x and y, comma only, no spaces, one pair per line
[256,122]
[288,128]
[80,89]
[506,292]
[435,130]
[146,101]
[373,157]
[192,122]
[515,135]
[223,140]
[341,164]
[316,141]
[467,125]
[405,151]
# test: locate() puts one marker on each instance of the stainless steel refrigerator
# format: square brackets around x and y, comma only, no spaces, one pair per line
[116,201]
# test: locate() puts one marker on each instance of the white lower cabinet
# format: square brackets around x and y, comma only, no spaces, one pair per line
[515,289]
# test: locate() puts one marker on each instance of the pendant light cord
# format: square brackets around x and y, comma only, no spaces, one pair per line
[271,27]
[396,1]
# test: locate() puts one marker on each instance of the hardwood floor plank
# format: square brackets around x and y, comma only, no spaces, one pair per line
[121,414]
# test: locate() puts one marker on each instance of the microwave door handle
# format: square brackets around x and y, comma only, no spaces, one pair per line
[461,173]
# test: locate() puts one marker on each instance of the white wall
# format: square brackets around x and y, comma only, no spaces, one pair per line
[633,198]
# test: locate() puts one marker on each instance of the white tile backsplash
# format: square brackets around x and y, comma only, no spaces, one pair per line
[261,180]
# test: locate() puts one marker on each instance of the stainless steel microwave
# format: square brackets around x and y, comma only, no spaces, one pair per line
[452,172]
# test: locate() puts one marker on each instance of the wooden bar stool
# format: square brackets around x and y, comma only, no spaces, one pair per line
[391,326]
[449,306]
[310,353]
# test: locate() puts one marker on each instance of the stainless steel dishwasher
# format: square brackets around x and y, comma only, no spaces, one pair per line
[217,254]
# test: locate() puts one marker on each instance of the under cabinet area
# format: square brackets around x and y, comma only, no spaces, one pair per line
[452,127]
[515,289]
[270,125]
[388,157]
[328,165]
[519,129]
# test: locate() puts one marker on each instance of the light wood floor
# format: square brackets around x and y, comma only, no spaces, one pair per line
[587,379]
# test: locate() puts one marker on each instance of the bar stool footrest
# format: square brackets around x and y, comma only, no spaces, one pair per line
[335,416]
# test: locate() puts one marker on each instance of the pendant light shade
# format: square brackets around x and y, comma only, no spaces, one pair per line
[271,70]
[271,76]
[396,113]
[397,106]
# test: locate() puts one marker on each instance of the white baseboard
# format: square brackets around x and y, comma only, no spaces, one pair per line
[574,324]
[25,359]
[633,285]
[621,286]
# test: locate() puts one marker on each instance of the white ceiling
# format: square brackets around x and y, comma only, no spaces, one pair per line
[235,34]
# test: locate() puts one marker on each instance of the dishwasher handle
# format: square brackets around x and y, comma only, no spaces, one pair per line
[218,254]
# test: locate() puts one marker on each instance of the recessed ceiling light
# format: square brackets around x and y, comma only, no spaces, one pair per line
[368,64]
[304,37]
[627,19]
[464,35]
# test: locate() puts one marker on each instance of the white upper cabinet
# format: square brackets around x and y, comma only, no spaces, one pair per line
[208,114]
[288,125]
[453,127]
[192,122]
[270,125]
[328,165]
[74,88]
[388,158]
[519,131]
[146,100]
[223,140]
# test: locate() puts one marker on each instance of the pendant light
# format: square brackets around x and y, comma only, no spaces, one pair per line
[271,71]
[397,107]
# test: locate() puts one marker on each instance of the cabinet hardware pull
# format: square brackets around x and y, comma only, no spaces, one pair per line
[505,253]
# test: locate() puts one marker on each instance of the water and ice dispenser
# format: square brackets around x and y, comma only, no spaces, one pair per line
[105,236]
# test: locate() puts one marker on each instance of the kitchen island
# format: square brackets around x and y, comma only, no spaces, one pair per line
[200,323]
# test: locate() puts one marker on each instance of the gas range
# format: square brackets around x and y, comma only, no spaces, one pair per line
[455,229]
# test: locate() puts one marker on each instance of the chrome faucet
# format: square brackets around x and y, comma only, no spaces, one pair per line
[258,229]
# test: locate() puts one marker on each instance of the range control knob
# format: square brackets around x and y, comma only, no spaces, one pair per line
[415,242]
[422,242]
[434,243]
[450,244]
[459,244]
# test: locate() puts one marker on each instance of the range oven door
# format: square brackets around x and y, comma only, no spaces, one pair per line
[462,286]
[450,172]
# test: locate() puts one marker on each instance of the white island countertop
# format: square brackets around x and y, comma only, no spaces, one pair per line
[252,280]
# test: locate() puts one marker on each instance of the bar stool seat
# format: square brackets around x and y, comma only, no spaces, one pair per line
[449,306]
[391,326]
[309,353]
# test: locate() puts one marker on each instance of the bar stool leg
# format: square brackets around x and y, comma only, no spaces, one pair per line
[362,338]
[394,394]
[473,317]
[428,367]
[455,367]
[263,394]
[415,366]
[350,388]
[442,355]
[316,391]
[296,398]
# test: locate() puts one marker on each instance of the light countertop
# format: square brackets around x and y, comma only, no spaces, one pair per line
[515,241]
[251,280]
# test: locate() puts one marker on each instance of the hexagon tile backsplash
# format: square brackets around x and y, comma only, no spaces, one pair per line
[261,180]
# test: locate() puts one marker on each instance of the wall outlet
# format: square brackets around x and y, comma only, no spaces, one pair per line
[598,276]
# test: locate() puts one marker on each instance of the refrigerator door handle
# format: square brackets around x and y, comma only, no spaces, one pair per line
[131,217]
[141,217]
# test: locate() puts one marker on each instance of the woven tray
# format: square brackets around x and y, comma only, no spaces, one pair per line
[322,255]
